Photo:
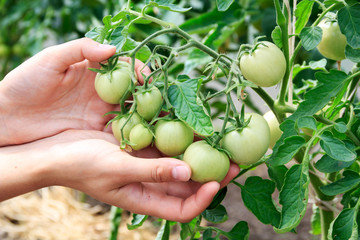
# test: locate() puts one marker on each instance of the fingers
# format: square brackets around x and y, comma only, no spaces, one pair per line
[156,170]
[140,68]
[60,57]
[233,171]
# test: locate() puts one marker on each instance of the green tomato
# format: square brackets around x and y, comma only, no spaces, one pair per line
[140,136]
[251,143]
[275,132]
[111,86]
[206,163]
[117,125]
[172,137]
[265,66]
[4,50]
[149,103]
[333,42]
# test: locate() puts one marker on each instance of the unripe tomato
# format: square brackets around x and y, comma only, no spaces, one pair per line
[111,86]
[172,137]
[117,125]
[140,136]
[148,103]
[275,132]
[206,163]
[333,42]
[251,143]
[265,66]
[4,50]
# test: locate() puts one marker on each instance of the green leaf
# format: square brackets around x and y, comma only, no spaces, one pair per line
[257,196]
[187,229]
[349,23]
[315,221]
[117,38]
[344,226]
[335,148]
[164,232]
[340,127]
[330,83]
[218,198]
[327,164]
[215,215]
[315,65]
[287,150]
[143,54]
[97,34]
[223,5]
[293,197]
[349,181]
[310,37]
[302,13]
[137,221]
[277,174]
[352,54]
[276,36]
[183,96]
[167,5]
[239,232]
[196,58]
[306,122]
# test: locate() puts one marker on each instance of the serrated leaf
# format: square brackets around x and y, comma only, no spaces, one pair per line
[277,174]
[137,221]
[276,36]
[349,181]
[327,164]
[344,225]
[257,197]
[218,198]
[335,148]
[187,229]
[340,127]
[215,215]
[143,54]
[306,122]
[168,5]
[330,84]
[349,23]
[310,37]
[239,232]
[183,96]
[117,38]
[287,150]
[302,13]
[352,54]
[294,197]
[97,34]
[223,5]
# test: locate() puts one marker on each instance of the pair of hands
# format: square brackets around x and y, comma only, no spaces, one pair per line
[53,133]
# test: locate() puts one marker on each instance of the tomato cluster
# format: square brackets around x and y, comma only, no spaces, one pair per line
[140,127]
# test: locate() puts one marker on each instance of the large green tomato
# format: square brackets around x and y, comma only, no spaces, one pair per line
[206,163]
[265,66]
[172,137]
[275,132]
[251,143]
[140,136]
[117,125]
[111,86]
[148,103]
[333,42]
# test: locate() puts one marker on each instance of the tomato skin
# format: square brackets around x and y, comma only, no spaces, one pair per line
[112,86]
[265,66]
[206,163]
[275,132]
[172,137]
[149,103]
[140,136]
[117,125]
[250,144]
[333,42]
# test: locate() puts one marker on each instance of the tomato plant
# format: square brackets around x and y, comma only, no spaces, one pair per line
[248,144]
[208,64]
[140,136]
[172,137]
[207,163]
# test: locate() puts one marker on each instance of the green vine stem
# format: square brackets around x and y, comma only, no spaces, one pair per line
[115,216]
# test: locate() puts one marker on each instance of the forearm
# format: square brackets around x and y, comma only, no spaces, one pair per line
[5,118]
[22,170]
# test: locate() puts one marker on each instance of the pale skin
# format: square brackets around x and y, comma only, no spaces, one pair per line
[53,133]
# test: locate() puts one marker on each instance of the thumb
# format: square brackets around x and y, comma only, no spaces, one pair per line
[157,170]
[62,56]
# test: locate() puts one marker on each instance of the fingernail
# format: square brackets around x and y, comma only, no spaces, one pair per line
[106,46]
[181,173]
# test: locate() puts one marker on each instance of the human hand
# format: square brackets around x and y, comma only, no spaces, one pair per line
[54,91]
[91,161]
